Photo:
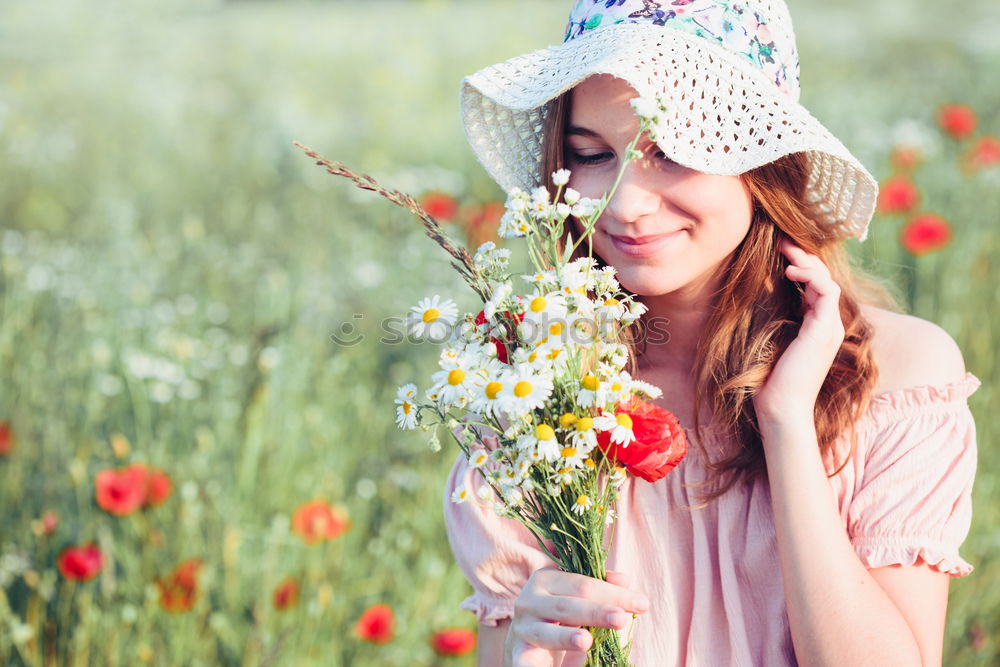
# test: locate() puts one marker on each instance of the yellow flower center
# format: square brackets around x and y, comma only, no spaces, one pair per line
[544,432]
[584,424]
[567,452]
[532,357]
[567,420]
[407,407]
[590,383]
[589,462]
[611,301]
[555,329]
[492,389]
[582,500]
[616,387]
[624,420]
[431,314]
[553,354]
[538,304]
[523,388]
[455,376]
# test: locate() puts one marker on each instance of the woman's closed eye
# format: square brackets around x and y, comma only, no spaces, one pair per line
[601,157]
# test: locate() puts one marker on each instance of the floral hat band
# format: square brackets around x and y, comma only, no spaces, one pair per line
[734,25]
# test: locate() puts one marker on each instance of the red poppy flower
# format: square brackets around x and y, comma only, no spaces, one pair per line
[440,205]
[897,195]
[81,562]
[481,222]
[316,521]
[6,438]
[286,594]
[376,624]
[925,233]
[985,152]
[453,641]
[48,523]
[499,344]
[179,590]
[659,443]
[120,492]
[905,158]
[958,120]
[158,486]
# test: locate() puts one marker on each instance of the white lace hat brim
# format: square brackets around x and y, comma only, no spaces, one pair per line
[723,115]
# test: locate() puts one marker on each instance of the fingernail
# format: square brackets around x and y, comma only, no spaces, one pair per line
[581,640]
[617,619]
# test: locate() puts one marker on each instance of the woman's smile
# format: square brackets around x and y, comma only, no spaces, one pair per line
[646,246]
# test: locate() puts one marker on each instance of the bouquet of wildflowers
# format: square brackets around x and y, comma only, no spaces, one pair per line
[535,386]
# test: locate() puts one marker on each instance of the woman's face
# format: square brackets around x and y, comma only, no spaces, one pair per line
[667,228]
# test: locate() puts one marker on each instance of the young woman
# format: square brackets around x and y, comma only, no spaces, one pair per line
[818,514]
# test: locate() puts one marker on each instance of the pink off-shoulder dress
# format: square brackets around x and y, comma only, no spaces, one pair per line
[711,571]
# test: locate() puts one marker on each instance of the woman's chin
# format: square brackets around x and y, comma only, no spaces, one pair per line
[647,283]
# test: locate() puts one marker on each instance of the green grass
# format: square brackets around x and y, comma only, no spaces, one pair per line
[172,268]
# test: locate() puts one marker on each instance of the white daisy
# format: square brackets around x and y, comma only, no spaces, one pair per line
[484,492]
[618,476]
[584,435]
[571,196]
[490,397]
[636,310]
[460,494]
[581,504]
[528,389]
[406,409]
[433,318]
[478,457]
[543,311]
[498,299]
[591,392]
[572,456]
[619,425]
[560,177]
[564,475]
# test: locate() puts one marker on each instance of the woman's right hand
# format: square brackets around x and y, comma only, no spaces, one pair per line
[554,608]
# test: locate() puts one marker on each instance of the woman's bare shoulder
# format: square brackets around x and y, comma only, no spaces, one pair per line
[912,352]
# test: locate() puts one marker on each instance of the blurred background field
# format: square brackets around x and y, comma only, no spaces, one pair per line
[173,270]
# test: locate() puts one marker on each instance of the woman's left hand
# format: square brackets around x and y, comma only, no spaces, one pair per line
[792,387]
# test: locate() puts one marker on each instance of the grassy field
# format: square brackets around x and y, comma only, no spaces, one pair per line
[172,270]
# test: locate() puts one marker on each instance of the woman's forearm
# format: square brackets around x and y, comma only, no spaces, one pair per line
[838,614]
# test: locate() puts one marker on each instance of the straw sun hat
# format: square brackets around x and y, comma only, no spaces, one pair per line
[727,74]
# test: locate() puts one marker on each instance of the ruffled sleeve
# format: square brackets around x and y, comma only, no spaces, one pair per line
[913,499]
[496,554]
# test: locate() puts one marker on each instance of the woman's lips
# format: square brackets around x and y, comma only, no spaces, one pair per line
[643,246]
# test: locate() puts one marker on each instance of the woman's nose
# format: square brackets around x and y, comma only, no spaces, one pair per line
[636,196]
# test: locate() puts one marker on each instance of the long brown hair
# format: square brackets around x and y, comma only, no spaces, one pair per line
[757,312]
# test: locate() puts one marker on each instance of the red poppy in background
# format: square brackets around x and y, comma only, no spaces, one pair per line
[897,195]
[985,152]
[376,624]
[6,438]
[158,485]
[453,641]
[958,120]
[286,594]
[499,344]
[925,233]
[316,521]
[81,562]
[179,590]
[440,205]
[659,443]
[120,492]
[481,222]
[905,158]
[48,523]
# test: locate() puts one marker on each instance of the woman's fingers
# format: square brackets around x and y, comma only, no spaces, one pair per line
[580,586]
[551,636]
